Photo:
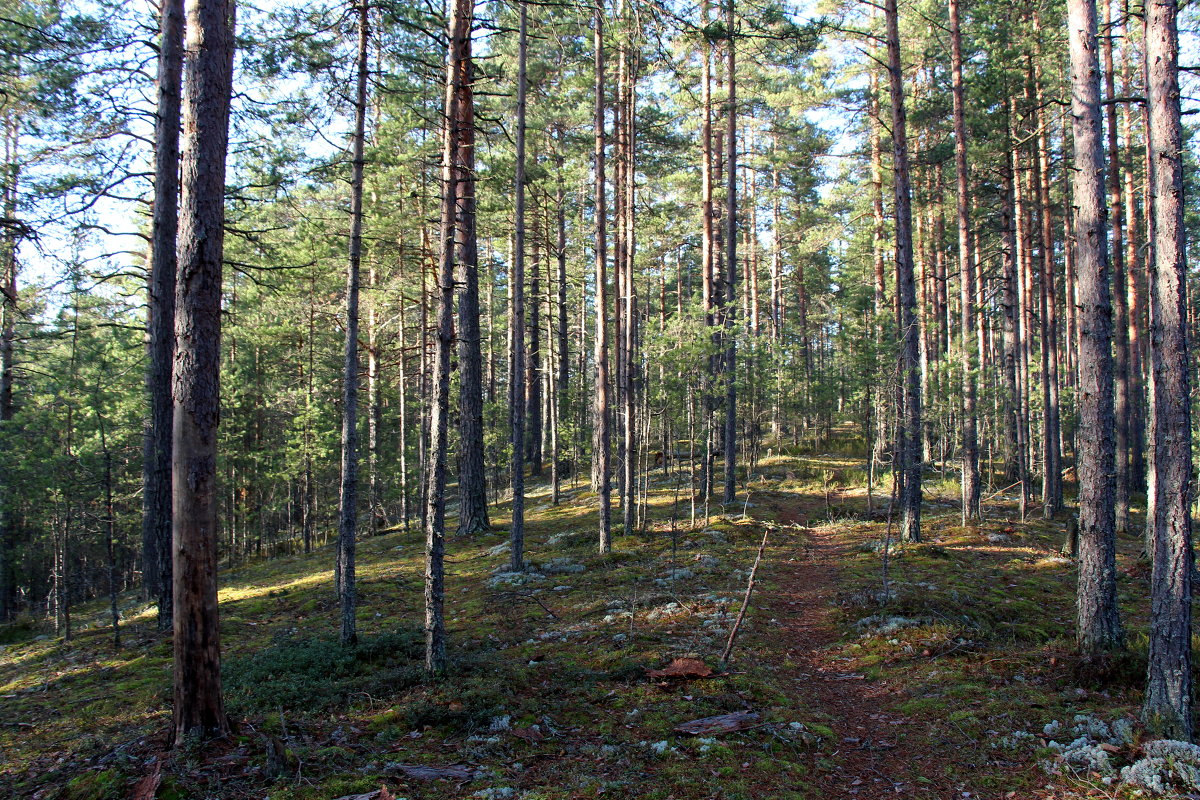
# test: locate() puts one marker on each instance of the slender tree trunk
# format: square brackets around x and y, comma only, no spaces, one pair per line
[731,265]
[348,504]
[458,76]
[602,442]
[199,708]
[1121,399]
[110,525]
[1167,710]
[375,405]
[966,270]
[533,369]
[1135,278]
[564,349]
[877,250]
[629,397]
[516,369]
[8,313]
[1099,626]
[1052,489]
[909,439]
[402,411]
[156,452]
[708,261]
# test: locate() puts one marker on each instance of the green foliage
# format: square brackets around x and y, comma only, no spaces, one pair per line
[304,672]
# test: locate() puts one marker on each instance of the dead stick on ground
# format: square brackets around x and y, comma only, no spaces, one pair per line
[737,623]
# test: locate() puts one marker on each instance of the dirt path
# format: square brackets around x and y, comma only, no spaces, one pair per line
[870,756]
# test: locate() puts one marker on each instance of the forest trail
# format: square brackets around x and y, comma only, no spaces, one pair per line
[877,749]
[866,759]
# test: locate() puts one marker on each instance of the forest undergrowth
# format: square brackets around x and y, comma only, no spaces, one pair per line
[950,674]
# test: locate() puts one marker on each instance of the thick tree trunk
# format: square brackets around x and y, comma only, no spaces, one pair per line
[199,708]
[966,271]
[160,321]
[909,439]
[1099,626]
[516,368]
[348,503]
[472,483]
[1167,710]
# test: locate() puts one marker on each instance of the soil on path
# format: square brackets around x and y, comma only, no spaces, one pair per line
[875,752]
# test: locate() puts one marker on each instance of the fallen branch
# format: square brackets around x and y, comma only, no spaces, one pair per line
[528,597]
[737,623]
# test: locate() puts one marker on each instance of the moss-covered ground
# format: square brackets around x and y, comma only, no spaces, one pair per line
[922,684]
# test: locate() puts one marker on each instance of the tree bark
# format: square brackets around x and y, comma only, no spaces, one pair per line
[516,370]
[199,708]
[1121,399]
[8,313]
[731,267]
[600,417]
[458,74]
[473,507]
[1099,626]
[348,502]
[966,271]
[909,439]
[160,322]
[1167,710]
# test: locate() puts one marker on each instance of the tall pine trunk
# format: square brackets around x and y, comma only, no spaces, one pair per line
[1167,710]
[156,446]
[966,270]
[1121,398]
[516,371]
[731,265]
[348,504]
[602,442]
[909,439]
[472,484]
[1099,626]
[199,708]
[458,74]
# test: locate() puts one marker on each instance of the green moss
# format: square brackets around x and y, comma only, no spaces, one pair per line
[106,785]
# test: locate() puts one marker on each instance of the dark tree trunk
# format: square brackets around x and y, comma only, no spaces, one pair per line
[708,261]
[1121,399]
[348,505]
[564,351]
[1099,626]
[199,708]
[8,314]
[1167,710]
[909,440]
[458,73]
[731,269]
[156,447]
[516,380]
[473,508]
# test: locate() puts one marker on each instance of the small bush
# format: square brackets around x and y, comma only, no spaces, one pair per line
[318,673]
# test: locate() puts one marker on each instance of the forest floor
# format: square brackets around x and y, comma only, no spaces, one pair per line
[941,686]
